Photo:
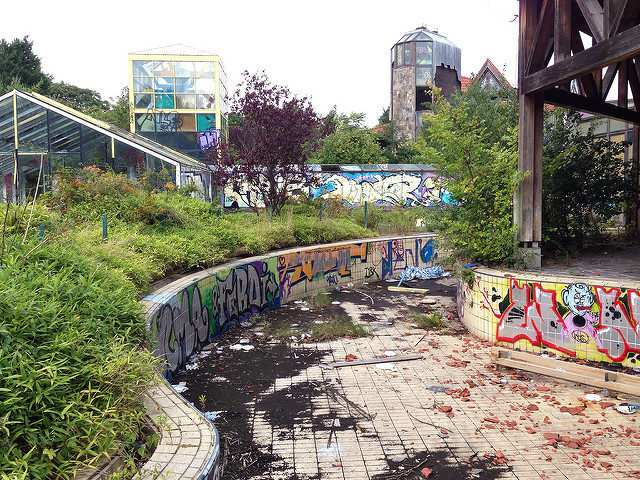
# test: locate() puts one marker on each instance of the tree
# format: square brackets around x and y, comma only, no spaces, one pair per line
[277,134]
[585,182]
[19,65]
[351,143]
[395,147]
[117,113]
[384,118]
[473,144]
[82,99]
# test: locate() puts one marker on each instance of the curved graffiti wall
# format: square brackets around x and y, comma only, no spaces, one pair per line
[573,316]
[188,314]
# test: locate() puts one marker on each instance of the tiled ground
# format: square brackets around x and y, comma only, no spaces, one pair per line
[362,422]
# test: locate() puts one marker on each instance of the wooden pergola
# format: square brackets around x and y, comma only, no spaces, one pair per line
[555,66]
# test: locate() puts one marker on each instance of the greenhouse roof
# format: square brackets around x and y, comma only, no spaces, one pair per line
[35,124]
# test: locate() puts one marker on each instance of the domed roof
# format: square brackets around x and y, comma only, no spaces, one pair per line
[445,52]
[424,34]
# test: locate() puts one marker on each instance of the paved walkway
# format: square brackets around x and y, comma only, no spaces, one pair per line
[451,414]
[608,262]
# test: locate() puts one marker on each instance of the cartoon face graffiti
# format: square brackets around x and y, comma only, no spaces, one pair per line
[579,299]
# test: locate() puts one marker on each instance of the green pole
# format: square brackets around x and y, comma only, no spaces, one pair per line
[41,230]
[104,226]
[365,214]
[320,210]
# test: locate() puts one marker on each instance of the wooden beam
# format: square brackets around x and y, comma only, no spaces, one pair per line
[613,10]
[587,81]
[612,50]
[593,15]
[562,33]
[634,81]
[623,89]
[607,81]
[562,98]
[541,38]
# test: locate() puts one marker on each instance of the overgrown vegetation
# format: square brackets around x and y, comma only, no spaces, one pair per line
[73,340]
[424,319]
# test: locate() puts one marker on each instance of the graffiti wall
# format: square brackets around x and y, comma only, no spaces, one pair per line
[592,321]
[380,188]
[185,317]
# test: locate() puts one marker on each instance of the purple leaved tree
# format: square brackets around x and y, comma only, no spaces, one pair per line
[275,135]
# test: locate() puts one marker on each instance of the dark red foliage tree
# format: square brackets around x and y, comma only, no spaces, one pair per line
[275,135]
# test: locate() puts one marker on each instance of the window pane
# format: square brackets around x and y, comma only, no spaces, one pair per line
[185,69]
[206,101]
[186,85]
[164,84]
[423,53]
[165,101]
[206,121]
[143,84]
[165,122]
[208,139]
[407,53]
[142,68]
[186,122]
[205,85]
[163,69]
[144,122]
[205,69]
[186,101]
[398,55]
[423,77]
[144,100]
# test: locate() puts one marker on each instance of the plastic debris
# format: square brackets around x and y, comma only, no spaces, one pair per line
[320,322]
[390,353]
[212,415]
[245,324]
[181,387]
[192,366]
[239,346]
[438,388]
[335,303]
[593,397]
[425,273]
[244,341]
[626,409]
[387,366]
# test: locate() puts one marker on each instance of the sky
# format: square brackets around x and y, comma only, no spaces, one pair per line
[335,52]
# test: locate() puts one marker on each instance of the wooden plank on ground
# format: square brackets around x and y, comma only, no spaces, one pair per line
[371,361]
[597,377]
[408,289]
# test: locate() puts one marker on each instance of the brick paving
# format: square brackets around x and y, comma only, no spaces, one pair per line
[363,422]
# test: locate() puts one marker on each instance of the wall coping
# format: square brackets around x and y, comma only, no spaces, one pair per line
[189,445]
[547,277]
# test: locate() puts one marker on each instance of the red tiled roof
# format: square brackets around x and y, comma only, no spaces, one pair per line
[464,83]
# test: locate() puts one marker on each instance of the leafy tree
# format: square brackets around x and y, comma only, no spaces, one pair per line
[351,143]
[473,144]
[267,151]
[384,118]
[585,182]
[395,146]
[19,65]
[82,99]
[117,113]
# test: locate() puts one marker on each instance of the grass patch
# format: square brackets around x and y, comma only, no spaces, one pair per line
[338,326]
[321,300]
[426,320]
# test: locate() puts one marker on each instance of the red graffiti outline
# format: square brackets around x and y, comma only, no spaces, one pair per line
[622,308]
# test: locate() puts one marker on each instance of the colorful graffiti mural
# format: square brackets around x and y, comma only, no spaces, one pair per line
[594,322]
[380,188]
[187,319]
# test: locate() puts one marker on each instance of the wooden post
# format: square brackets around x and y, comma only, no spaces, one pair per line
[562,33]
[528,201]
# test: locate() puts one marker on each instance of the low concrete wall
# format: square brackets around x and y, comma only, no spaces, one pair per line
[187,314]
[589,318]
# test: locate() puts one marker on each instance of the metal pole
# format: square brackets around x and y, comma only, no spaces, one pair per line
[365,214]
[320,210]
[41,230]
[104,226]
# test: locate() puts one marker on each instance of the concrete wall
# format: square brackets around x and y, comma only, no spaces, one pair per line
[188,314]
[594,320]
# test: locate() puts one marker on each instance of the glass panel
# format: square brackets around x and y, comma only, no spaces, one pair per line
[96,147]
[6,125]
[185,69]
[162,69]
[64,133]
[206,121]
[398,55]
[32,127]
[164,84]
[186,85]
[205,69]
[186,122]
[142,68]
[187,141]
[143,84]
[206,101]
[423,53]
[424,77]
[205,85]
[407,53]
[143,100]
[165,101]
[186,101]
[144,122]
[165,122]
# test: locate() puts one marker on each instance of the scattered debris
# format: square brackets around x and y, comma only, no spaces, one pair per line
[408,289]
[180,387]
[239,346]
[350,358]
[387,366]
[212,415]
[371,361]
[425,273]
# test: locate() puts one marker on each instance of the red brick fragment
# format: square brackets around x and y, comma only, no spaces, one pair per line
[445,408]
[532,407]
[426,471]
[491,419]
[551,436]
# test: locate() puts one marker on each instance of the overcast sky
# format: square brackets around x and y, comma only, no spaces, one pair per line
[336,52]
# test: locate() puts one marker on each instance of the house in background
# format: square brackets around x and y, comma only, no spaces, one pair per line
[488,76]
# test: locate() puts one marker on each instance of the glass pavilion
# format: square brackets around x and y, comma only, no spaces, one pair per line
[178,96]
[35,129]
